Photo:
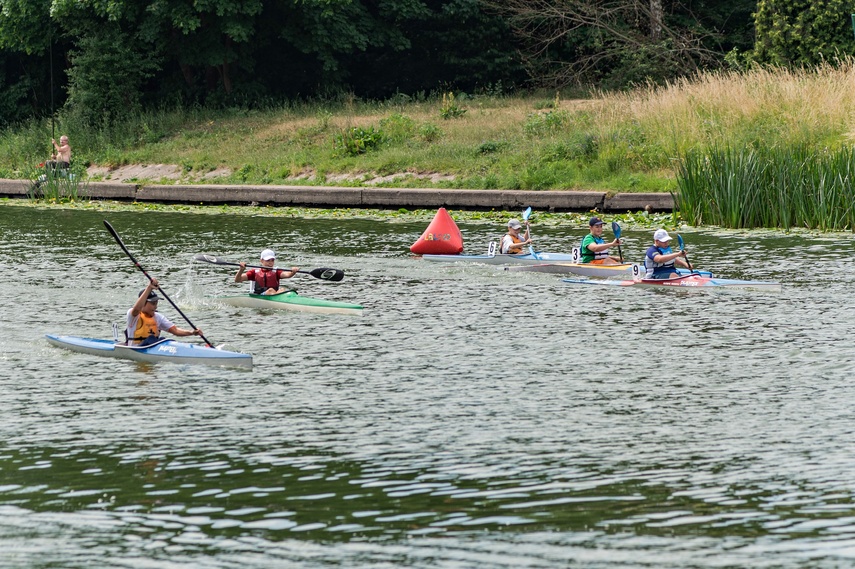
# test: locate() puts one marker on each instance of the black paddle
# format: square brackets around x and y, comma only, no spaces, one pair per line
[616,231]
[334,275]
[683,250]
[137,265]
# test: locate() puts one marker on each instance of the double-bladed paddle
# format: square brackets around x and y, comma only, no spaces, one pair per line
[334,275]
[137,265]
[525,215]
[682,249]
[616,231]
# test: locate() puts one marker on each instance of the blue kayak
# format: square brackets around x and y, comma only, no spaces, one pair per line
[164,351]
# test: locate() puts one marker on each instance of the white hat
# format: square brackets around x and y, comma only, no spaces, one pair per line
[661,235]
[267,254]
[515,223]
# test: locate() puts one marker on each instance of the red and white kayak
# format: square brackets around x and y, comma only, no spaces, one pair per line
[686,281]
[630,270]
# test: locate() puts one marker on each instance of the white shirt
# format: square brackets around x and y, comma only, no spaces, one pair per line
[163,323]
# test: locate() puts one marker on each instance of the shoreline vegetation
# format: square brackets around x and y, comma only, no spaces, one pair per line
[755,148]
[499,218]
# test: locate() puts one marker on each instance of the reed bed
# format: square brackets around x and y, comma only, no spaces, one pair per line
[787,187]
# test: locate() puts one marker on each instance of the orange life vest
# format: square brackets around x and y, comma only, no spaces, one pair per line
[514,249]
[146,326]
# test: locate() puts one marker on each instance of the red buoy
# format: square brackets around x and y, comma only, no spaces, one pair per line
[442,237]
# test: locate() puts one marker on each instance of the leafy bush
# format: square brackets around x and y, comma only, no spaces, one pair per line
[398,127]
[429,132]
[357,140]
[450,109]
[550,122]
[492,146]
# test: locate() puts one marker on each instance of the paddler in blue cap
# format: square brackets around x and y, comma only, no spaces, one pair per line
[145,323]
[594,248]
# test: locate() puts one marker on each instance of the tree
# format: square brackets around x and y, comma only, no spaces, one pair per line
[618,42]
[803,32]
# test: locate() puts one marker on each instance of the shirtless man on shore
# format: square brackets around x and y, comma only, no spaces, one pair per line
[62,157]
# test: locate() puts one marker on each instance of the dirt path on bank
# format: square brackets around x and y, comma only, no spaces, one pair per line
[172,173]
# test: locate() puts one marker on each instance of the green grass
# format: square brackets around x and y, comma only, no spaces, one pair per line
[616,142]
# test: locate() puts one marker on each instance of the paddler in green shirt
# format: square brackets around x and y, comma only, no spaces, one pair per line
[594,249]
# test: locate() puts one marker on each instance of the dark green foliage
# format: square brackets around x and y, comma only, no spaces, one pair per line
[492,146]
[613,44]
[803,32]
[106,77]
[127,55]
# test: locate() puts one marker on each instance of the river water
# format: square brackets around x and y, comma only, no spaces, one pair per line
[470,418]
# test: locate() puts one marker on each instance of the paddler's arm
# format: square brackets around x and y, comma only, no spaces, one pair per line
[240,277]
[176,331]
[291,273]
[597,247]
[669,257]
[138,305]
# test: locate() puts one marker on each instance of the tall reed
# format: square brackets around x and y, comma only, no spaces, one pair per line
[778,187]
[57,185]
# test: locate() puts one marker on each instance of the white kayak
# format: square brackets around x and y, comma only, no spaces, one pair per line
[499,259]
[164,351]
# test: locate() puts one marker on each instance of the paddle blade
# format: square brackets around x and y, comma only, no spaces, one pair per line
[616,229]
[334,275]
[205,258]
[211,259]
[527,213]
[680,241]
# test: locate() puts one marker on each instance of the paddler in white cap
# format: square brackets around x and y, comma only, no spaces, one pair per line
[266,280]
[512,243]
[660,260]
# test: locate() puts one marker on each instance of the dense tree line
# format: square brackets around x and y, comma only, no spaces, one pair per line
[106,58]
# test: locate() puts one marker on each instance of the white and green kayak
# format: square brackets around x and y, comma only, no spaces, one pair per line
[290,300]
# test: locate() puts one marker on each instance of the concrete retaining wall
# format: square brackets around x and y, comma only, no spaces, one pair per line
[382,198]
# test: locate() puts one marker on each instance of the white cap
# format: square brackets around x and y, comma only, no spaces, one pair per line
[661,235]
[515,223]
[267,254]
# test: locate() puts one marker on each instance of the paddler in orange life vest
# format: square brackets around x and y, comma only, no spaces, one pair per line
[145,323]
[266,280]
[512,243]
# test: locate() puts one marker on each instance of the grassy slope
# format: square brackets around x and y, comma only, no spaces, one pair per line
[613,142]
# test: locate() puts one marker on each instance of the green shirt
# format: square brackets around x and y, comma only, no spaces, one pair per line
[587,254]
